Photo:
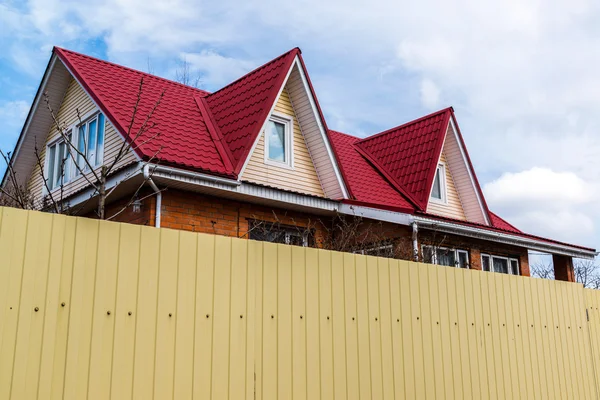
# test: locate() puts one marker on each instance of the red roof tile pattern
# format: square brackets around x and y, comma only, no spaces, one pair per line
[241,107]
[502,224]
[183,140]
[214,133]
[364,182]
[409,153]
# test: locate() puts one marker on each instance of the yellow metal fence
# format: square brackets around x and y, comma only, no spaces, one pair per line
[101,310]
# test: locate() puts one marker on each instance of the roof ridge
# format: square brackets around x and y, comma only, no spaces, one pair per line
[295,49]
[63,50]
[404,125]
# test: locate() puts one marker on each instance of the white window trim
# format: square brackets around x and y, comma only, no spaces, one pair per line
[289,141]
[508,260]
[444,200]
[373,248]
[456,252]
[74,131]
[55,142]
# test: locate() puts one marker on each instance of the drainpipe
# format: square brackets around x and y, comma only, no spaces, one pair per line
[148,179]
[415,232]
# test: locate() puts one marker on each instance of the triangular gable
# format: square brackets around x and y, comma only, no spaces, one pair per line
[183,141]
[309,116]
[463,175]
[302,176]
[241,108]
[472,198]
[451,205]
[408,154]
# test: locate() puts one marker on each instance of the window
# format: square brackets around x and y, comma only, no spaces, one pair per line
[58,171]
[277,233]
[445,256]
[380,249]
[278,141]
[503,265]
[438,191]
[89,139]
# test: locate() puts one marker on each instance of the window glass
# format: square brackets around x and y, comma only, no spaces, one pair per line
[276,132]
[275,233]
[445,257]
[463,259]
[100,147]
[428,255]
[485,262]
[436,192]
[51,166]
[514,267]
[92,137]
[81,144]
[500,265]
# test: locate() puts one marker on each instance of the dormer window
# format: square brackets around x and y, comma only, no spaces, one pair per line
[278,141]
[438,192]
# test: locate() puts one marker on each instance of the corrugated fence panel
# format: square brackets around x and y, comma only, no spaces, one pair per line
[92,309]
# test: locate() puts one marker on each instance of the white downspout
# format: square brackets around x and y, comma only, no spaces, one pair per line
[148,178]
[415,232]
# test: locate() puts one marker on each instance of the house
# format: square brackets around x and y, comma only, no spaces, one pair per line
[256,159]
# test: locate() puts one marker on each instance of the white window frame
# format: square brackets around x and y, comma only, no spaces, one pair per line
[456,252]
[66,178]
[288,122]
[508,261]
[380,247]
[73,172]
[86,120]
[441,169]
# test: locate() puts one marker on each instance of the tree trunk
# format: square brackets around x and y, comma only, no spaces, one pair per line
[102,193]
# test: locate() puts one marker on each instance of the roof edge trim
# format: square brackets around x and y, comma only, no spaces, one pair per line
[215,132]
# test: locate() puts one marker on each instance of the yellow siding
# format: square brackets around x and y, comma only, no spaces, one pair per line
[76,99]
[303,178]
[453,208]
[95,309]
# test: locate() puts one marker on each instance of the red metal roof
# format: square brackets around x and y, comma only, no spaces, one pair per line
[408,154]
[241,107]
[183,139]
[214,133]
[364,182]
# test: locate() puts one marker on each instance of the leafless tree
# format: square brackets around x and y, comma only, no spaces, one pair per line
[14,194]
[587,272]
[185,75]
[141,130]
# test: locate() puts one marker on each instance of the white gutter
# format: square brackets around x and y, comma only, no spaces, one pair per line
[193,175]
[148,179]
[501,237]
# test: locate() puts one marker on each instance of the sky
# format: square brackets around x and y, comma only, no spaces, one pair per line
[522,76]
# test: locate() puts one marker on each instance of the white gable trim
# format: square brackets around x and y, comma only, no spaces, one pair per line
[322,132]
[324,136]
[30,115]
[264,125]
[464,158]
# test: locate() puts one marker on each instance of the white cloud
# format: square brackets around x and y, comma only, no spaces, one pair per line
[430,93]
[545,202]
[12,115]
[215,69]
[521,75]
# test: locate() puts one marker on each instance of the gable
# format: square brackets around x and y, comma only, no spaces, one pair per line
[452,208]
[464,180]
[317,172]
[303,177]
[76,103]
[408,154]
